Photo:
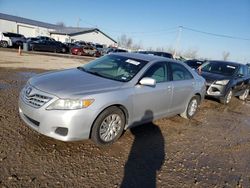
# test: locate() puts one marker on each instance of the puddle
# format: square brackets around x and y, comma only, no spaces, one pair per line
[4,86]
[27,74]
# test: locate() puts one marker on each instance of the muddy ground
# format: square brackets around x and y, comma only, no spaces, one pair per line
[212,150]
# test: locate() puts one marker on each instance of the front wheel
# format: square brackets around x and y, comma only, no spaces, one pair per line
[4,44]
[244,95]
[191,108]
[227,98]
[108,126]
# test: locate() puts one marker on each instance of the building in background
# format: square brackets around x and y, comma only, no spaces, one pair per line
[32,28]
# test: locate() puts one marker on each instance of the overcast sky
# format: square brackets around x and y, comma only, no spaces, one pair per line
[153,23]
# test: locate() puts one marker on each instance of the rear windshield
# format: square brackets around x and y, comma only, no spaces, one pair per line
[218,67]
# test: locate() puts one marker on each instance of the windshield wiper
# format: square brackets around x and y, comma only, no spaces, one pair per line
[95,73]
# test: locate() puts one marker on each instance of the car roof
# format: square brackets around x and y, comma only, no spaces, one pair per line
[227,62]
[144,57]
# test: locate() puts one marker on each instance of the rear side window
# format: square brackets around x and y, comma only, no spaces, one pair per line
[179,72]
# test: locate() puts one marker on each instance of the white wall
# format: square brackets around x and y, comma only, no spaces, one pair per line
[8,26]
[25,29]
[95,37]
[62,38]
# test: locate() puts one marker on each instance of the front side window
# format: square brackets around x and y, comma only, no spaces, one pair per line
[115,67]
[179,72]
[158,72]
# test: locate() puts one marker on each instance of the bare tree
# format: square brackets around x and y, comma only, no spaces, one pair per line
[225,55]
[125,41]
[191,53]
[61,24]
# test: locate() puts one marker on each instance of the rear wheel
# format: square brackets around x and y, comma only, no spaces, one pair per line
[63,50]
[191,108]
[108,126]
[227,99]
[244,95]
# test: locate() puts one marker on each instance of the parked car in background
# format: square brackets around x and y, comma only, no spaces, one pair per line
[225,80]
[85,50]
[101,99]
[163,54]
[45,38]
[48,46]
[81,43]
[5,40]
[194,63]
[70,44]
[12,39]
[115,50]
[31,39]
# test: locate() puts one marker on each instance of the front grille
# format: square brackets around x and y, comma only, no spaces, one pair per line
[36,100]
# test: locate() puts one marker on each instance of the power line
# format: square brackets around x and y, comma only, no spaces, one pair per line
[214,34]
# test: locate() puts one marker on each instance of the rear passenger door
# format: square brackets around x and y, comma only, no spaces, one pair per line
[183,87]
[241,78]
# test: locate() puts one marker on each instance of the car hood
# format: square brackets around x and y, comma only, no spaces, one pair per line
[73,83]
[211,77]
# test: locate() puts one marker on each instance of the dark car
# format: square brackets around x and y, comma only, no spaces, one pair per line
[225,80]
[162,54]
[31,39]
[85,50]
[194,63]
[45,38]
[48,46]
[114,50]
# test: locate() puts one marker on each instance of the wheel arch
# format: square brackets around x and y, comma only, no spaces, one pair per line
[121,107]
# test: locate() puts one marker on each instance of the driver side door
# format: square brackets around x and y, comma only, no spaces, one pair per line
[153,102]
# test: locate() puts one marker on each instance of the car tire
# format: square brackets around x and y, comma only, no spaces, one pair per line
[108,126]
[4,44]
[63,50]
[79,53]
[191,108]
[226,100]
[244,95]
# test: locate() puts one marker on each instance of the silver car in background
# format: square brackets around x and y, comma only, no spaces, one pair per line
[103,98]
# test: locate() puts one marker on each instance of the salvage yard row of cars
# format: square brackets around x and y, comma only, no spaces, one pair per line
[43,43]
[102,99]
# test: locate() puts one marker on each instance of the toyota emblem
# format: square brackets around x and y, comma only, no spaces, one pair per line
[28,91]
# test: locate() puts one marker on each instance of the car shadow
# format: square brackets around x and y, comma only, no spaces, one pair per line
[146,157]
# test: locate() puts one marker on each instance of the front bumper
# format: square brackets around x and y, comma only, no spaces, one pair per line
[215,90]
[64,125]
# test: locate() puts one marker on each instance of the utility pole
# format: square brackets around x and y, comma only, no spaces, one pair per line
[178,38]
[78,21]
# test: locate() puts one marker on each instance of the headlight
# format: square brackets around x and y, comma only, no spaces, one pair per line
[70,104]
[222,82]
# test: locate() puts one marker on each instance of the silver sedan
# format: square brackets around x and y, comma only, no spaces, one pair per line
[103,98]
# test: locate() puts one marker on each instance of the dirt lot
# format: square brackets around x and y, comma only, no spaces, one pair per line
[212,150]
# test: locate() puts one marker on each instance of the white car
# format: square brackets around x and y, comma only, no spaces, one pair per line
[5,41]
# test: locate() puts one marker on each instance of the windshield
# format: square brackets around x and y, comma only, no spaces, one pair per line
[115,67]
[217,67]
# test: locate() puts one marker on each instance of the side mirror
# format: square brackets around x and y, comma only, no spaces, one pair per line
[240,75]
[148,81]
